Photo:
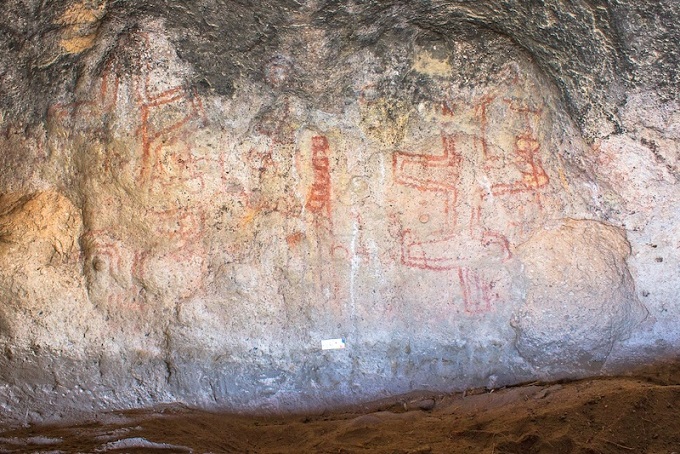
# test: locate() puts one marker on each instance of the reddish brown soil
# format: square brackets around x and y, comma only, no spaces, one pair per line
[632,414]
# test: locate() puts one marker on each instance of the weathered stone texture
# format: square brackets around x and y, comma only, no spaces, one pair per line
[195,195]
[580,297]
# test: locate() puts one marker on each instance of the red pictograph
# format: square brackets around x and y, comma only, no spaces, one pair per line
[182,226]
[104,253]
[109,88]
[430,172]
[427,172]
[277,122]
[448,252]
[168,117]
[478,293]
[319,197]
[451,248]
[179,263]
[481,112]
[526,157]
[175,164]
[166,131]
[427,255]
[448,108]
[62,111]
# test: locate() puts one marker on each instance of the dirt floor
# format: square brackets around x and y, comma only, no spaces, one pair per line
[638,413]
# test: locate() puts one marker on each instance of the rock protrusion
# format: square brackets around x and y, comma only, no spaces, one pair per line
[580,297]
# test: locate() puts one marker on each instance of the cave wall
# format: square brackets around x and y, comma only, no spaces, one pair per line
[194,197]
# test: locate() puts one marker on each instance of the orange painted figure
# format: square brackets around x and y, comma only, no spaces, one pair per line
[460,242]
[451,248]
[526,158]
[319,198]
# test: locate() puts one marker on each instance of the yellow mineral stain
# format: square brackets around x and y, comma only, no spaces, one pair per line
[426,64]
[385,120]
[84,13]
[248,217]
[46,217]
[80,23]
[77,44]
[536,181]
[563,178]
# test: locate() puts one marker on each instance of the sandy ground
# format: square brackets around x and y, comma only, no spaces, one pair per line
[638,413]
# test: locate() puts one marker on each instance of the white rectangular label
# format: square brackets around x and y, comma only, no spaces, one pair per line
[332,344]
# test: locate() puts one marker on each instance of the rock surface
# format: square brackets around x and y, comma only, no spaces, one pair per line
[580,297]
[195,196]
[613,414]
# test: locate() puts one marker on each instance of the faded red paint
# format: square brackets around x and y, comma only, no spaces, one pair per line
[416,253]
[122,293]
[427,172]
[481,112]
[448,249]
[109,87]
[98,243]
[448,109]
[431,173]
[526,157]
[319,197]
[182,226]
[155,139]
[489,237]
[277,124]
[478,293]
[294,239]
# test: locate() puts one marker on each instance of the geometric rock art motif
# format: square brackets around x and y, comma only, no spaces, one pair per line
[466,176]
[156,177]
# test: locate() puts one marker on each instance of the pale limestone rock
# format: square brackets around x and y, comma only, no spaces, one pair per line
[41,285]
[580,297]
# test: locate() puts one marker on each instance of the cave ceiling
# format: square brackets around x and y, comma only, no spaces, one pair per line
[593,51]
